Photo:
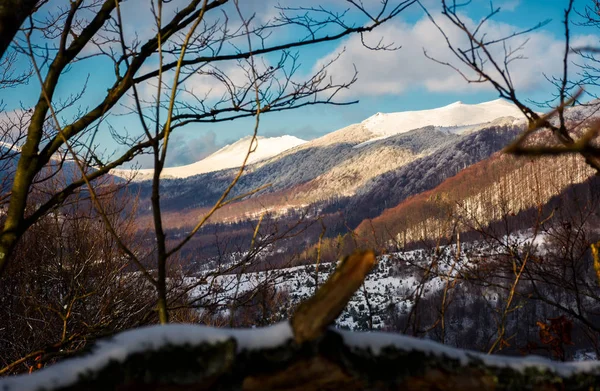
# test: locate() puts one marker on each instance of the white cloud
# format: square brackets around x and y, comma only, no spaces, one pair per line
[385,72]
[504,5]
[509,5]
[214,83]
[186,150]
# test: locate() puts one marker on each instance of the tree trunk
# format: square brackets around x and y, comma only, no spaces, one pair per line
[12,15]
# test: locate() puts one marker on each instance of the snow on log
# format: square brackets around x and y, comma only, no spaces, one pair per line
[297,356]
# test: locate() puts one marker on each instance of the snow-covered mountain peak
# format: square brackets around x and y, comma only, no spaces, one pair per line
[457,118]
[455,114]
[230,156]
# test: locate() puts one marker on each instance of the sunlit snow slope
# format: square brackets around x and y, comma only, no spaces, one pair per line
[456,114]
[229,156]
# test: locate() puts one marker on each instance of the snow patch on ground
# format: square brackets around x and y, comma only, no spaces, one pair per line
[155,337]
[142,339]
[377,341]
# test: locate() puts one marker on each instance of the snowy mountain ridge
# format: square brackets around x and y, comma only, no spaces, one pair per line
[230,156]
[457,118]
[377,172]
[457,114]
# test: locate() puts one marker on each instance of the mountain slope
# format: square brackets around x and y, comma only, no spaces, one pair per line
[477,196]
[230,156]
[366,171]
[427,172]
[457,115]
[484,192]
[311,174]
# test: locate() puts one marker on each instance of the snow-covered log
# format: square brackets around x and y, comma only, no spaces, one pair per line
[297,355]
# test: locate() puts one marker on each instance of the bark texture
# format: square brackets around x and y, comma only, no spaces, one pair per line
[12,15]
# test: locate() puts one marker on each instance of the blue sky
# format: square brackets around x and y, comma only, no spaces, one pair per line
[388,81]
